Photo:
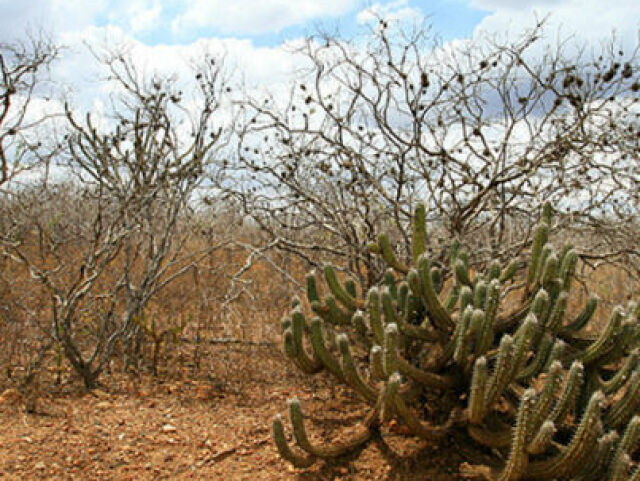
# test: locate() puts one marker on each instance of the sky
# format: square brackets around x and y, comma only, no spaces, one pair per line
[270,22]
[254,34]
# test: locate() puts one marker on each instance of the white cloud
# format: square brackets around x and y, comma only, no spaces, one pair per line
[79,74]
[585,20]
[256,16]
[144,15]
[51,16]
[395,10]
[512,4]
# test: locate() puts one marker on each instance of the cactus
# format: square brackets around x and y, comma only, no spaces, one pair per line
[551,401]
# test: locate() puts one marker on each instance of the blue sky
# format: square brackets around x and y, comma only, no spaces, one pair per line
[270,22]
[253,34]
[450,19]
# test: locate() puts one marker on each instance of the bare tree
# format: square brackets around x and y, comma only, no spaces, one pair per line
[22,66]
[483,132]
[135,174]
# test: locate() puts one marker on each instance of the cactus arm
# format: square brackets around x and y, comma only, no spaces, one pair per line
[337,315]
[330,312]
[351,373]
[388,255]
[540,306]
[464,337]
[500,377]
[461,271]
[568,268]
[295,458]
[320,349]
[570,460]
[428,379]
[623,340]
[480,294]
[454,250]
[306,363]
[420,428]
[340,293]
[466,297]
[390,349]
[558,353]
[554,322]
[450,347]
[518,459]
[350,287]
[491,439]
[494,270]
[437,279]
[622,466]
[292,353]
[547,397]
[542,439]
[507,321]
[629,441]
[439,315]
[539,240]
[478,326]
[550,271]
[376,363]
[416,332]
[524,338]
[452,298]
[537,365]
[478,386]
[325,451]
[419,225]
[509,272]
[605,341]
[597,466]
[619,378]
[357,321]
[490,310]
[403,299]
[375,318]
[623,409]
[390,280]
[583,318]
[312,288]
[569,394]
[389,390]
[388,309]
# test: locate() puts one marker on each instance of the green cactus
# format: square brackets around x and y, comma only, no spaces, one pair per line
[550,400]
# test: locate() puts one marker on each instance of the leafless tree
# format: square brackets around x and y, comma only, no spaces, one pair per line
[484,132]
[22,67]
[134,175]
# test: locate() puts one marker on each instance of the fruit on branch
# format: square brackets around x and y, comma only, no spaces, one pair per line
[554,401]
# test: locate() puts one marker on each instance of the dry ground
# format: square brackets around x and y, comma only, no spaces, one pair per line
[207,428]
[208,416]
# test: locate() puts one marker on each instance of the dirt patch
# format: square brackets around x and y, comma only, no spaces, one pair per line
[215,427]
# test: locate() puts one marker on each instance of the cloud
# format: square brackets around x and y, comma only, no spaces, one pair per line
[395,10]
[585,20]
[256,16]
[512,4]
[51,16]
[144,16]
[80,76]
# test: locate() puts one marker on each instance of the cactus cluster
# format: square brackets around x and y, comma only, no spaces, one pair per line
[523,380]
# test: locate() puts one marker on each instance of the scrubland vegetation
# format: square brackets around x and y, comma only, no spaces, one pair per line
[435,246]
